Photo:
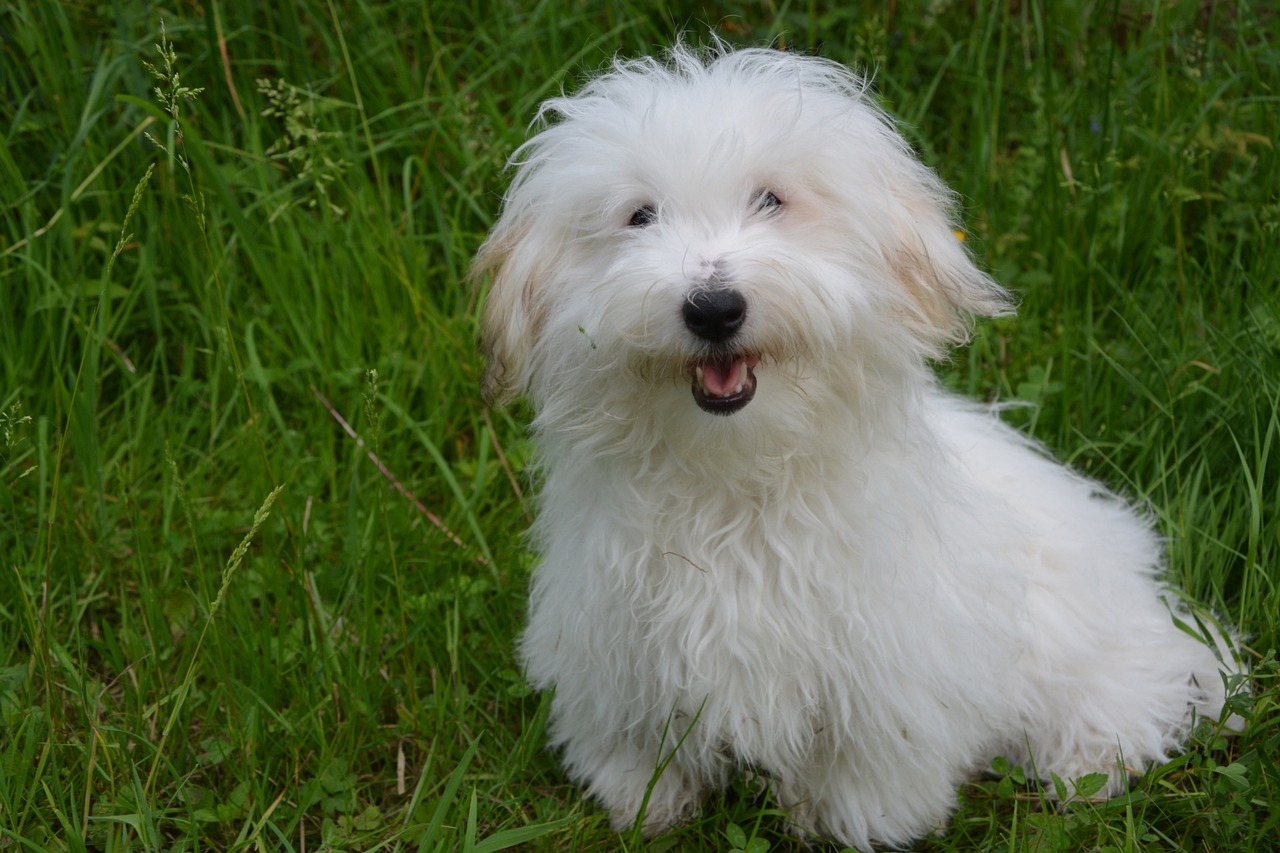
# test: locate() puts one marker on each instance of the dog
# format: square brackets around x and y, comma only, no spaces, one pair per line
[770,542]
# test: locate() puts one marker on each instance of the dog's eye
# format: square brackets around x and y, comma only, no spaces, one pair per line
[767,201]
[643,216]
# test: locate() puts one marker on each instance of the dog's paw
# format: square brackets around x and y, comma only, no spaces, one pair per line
[1087,782]
[659,804]
[658,817]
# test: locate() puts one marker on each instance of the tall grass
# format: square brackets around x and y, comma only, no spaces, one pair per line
[226,623]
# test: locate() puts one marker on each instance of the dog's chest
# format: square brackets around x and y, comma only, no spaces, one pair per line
[750,638]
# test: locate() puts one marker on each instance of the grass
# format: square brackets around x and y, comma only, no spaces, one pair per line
[227,624]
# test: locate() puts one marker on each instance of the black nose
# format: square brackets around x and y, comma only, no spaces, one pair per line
[714,315]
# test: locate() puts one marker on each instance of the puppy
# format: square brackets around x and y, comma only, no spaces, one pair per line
[769,540]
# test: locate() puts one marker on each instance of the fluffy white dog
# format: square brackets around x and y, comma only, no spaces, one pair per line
[769,540]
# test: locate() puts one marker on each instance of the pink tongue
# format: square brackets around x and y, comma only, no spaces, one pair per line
[722,378]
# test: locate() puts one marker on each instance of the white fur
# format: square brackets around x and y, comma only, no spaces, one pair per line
[858,586]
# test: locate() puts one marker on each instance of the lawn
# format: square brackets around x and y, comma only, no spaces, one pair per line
[261,554]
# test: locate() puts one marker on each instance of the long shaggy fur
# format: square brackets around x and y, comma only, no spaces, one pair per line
[853,583]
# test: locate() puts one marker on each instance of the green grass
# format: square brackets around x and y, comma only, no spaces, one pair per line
[223,626]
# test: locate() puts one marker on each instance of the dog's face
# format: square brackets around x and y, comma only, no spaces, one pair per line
[710,231]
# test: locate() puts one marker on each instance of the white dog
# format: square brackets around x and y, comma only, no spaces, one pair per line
[769,540]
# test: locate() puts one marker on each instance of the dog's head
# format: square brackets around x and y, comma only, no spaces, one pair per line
[739,223]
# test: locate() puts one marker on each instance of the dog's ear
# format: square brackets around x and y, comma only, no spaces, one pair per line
[514,310]
[927,255]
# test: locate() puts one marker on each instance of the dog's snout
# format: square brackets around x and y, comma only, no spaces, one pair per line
[715,315]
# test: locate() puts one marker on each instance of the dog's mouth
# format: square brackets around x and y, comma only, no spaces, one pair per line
[725,384]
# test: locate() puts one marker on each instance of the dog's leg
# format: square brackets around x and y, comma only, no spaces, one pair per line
[633,782]
[893,803]
[1127,709]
